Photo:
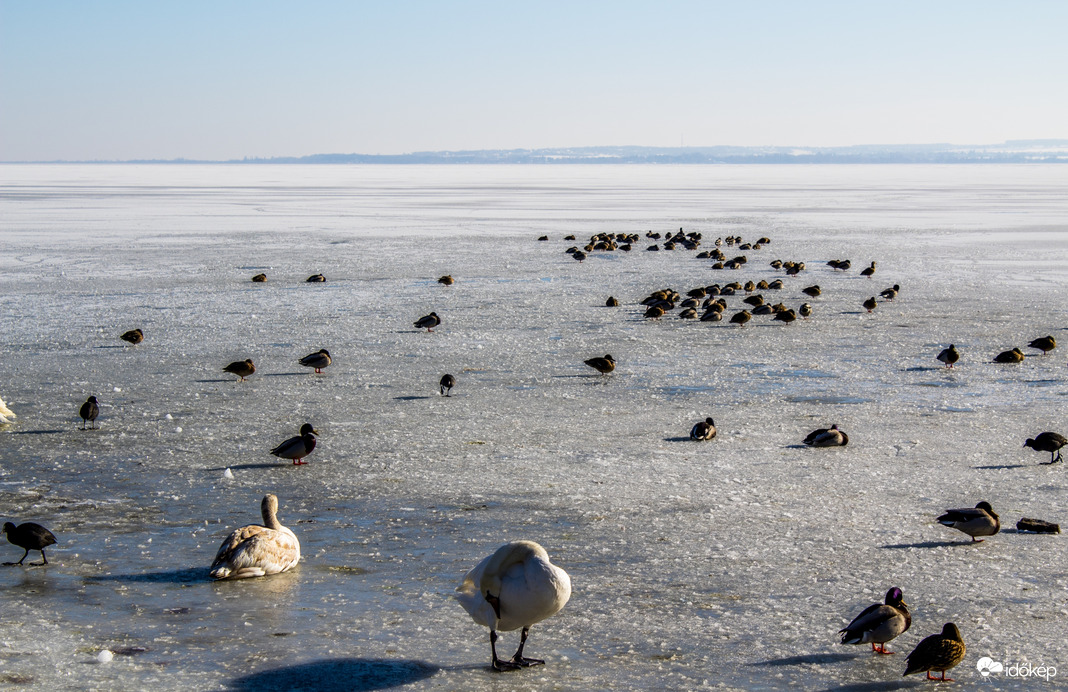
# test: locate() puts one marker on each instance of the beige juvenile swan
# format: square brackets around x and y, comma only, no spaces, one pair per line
[256,551]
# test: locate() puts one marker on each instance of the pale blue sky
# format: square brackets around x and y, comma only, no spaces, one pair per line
[216,79]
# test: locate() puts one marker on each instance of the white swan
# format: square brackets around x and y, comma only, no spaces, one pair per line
[514,588]
[256,551]
[6,413]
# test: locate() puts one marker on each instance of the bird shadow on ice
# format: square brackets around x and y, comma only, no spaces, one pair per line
[874,686]
[111,346]
[677,439]
[286,374]
[221,379]
[338,674]
[410,398]
[925,544]
[188,575]
[810,659]
[998,467]
[241,467]
[37,432]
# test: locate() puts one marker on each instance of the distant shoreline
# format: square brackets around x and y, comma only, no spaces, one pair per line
[1012,152]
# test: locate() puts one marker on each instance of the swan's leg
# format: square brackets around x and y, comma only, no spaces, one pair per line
[518,658]
[499,664]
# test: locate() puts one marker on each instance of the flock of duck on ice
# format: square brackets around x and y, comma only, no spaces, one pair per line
[517,585]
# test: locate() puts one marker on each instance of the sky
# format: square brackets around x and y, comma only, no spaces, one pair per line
[217,80]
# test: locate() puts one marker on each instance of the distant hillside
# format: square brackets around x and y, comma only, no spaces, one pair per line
[1015,151]
[1020,151]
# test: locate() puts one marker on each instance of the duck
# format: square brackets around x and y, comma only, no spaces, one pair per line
[980,521]
[655,312]
[740,318]
[870,304]
[612,302]
[879,623]
[1044,344]
[602,365]
[428,322]
[259,278]
[446,280]
[514,588]
[949,356]
[29,536]
[1013,356]
[318,360]
[812,291]
[827,437]
[296,448]
[705,430]
[786,316]
[315,279]
[134,336]
[241,368]
[1048,442]
[891,293]
[805,310]
[938,652]
[446,384]
[89,411]
[868,271]
[257,551]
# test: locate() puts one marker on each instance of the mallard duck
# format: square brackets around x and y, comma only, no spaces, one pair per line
[318,360]
[578,255]
[446,280]
[949,356]
[259,278]
[891,293]
[868,271]
[1044,344]
[89,411]
[938,652]
[241,368]
[428,322]
[980,521]
[134,336]
[655,312]
[688,314]
[29,536]
[602,365]
[813,290]
[740,318]
[786,316]
[870,304]
[805,310]
[1013,356]
[827,437]
[446,384]
[754,300]
[879,623]
[612,302]
[315,279]
[257,551]
[705,430]
[515,587]
[1048,442]
[296,448]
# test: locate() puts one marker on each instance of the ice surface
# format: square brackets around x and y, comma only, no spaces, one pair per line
[729,563]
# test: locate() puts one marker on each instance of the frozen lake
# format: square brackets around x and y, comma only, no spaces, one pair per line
[725,564]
